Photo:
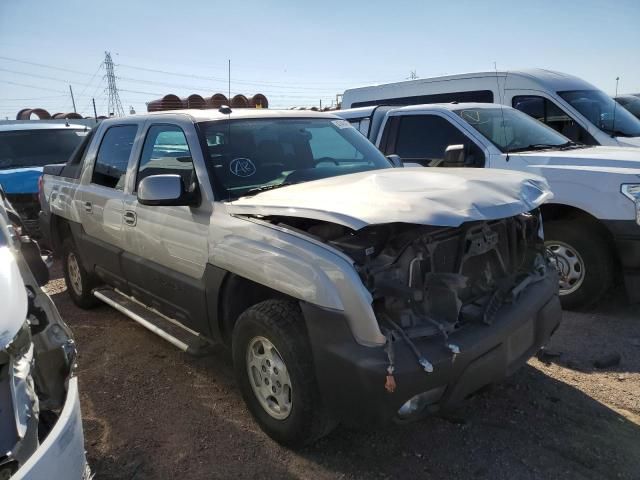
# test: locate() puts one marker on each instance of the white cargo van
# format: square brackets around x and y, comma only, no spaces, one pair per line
[568,104]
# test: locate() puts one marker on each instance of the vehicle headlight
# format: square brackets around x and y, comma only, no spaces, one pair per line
[25,401]
[632,192]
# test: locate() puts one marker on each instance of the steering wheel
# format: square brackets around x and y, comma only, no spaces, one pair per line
[325,160]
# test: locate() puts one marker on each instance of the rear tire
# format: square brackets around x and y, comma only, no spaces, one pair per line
[584,260]
[79,282]
[301,417]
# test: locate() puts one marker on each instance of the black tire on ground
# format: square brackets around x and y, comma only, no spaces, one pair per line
[81,293]
[282,324]
[594,249]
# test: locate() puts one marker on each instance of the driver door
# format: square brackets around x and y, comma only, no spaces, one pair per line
[168,245]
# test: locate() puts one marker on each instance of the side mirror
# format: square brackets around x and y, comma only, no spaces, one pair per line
[454,156]
[165,190]
[395,160]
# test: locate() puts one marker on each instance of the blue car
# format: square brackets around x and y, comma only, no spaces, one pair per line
[24,149]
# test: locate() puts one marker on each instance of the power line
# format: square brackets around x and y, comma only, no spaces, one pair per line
[33,86]
[44,66]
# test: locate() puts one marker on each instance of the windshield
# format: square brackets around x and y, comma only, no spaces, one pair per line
[631,103]
[248,156]
[511,130]
[36,148]
[598,108]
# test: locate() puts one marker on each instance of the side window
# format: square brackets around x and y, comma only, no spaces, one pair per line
[326,144]
[423,139]
[166,151]
[549,113]
[361,124]
[113,156]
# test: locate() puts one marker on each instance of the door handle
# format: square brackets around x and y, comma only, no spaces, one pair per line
[88,207]
[130,218]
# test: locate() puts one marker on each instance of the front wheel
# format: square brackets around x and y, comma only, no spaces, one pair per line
[583,259]
[274,368]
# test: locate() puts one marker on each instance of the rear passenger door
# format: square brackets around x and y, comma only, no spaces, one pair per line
[167,246]
[101,208]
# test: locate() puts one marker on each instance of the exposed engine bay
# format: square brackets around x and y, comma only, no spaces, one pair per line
[430,281]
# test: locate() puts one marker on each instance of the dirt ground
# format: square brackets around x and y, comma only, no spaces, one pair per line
[153,412]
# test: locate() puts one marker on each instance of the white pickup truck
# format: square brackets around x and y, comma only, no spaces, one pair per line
[592,225]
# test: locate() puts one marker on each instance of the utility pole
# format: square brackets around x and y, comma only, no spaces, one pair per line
[95,114]
[73,100]
[115,106]
[229,82]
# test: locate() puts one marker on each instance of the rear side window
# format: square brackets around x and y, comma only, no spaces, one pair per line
[550,114]
[113,156]
[479,96]
[423,139]
[166,151]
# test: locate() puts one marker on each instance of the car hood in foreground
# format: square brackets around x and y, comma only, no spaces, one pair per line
[13,297]
[438,197]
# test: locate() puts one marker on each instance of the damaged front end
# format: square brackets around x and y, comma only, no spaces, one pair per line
[37,362]
[460,307]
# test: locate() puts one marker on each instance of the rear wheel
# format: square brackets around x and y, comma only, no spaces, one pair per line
[274,368]
[583,259]
[79,282]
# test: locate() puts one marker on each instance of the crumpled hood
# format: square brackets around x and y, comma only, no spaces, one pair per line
[13,297]
[20,180]
[426,196]
[596,158]
[629,141]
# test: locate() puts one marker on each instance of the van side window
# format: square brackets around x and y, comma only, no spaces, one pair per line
[549,113]
[479,96]
[423,139]
[166,151]
[113,156]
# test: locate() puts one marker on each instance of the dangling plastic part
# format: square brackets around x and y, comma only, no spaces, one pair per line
[390,382]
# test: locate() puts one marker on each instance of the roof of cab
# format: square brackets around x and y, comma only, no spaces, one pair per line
[36,125]
[449,106]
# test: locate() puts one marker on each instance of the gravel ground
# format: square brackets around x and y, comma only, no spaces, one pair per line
[151,411]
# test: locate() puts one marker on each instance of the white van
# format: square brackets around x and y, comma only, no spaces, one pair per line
[568,104]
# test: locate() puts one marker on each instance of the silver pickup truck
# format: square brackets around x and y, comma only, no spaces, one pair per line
[348,290]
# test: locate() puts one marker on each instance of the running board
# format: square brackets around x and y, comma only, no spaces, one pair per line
[173,332]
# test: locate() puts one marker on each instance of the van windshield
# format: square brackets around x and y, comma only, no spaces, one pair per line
[248,156]
[599,108]
[511,130]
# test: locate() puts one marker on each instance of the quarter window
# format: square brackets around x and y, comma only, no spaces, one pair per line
[424,138]
[113,156]
[549,113]
[166,151]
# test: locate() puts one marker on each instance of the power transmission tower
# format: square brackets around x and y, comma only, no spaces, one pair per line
[114,104]
[413,75]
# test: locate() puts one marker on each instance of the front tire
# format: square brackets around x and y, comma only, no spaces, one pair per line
[274,369]
[79,282]
[583,259]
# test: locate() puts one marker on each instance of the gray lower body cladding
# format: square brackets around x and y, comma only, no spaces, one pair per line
[351,377]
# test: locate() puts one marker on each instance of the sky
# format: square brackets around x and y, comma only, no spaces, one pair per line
[298,53]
